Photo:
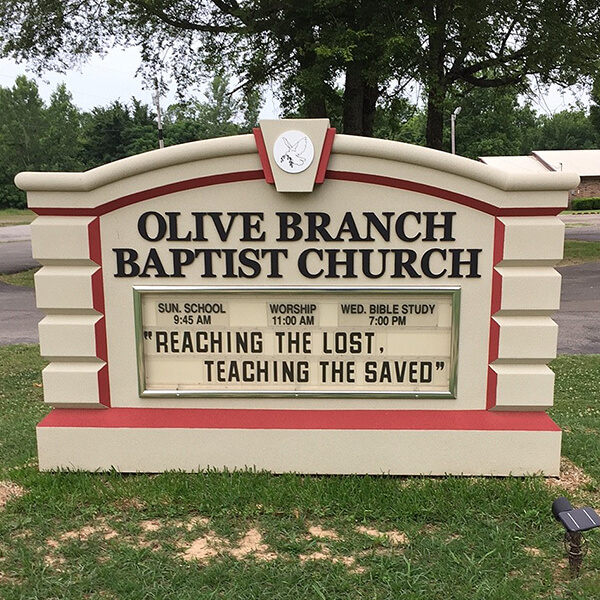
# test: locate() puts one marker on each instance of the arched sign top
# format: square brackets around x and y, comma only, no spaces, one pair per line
[343,145]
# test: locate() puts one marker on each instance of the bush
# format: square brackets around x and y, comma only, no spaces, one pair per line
[12,197]
[585,203]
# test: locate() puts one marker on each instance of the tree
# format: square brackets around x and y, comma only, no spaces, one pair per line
[22,123]
[60,140]
[329,57]
[492,45]
[220,115]
[567,130]
[492,122]
[117,131]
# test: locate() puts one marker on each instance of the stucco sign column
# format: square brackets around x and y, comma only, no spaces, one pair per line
[297,300]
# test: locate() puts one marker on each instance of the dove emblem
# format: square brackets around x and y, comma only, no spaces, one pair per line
[293,151]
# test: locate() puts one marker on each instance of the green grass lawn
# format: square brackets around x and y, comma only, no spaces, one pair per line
[15,216]
[577,252]
[247,535]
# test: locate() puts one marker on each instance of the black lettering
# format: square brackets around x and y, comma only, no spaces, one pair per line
[160,226]
[403,261]
[179,261]
[401,226]
[426,260]
[302,260]
[431,226]
[251,222]
[288,223]
[153,262]
[317,223]
[246,260]
[472,262]
[173,228]
[126,262]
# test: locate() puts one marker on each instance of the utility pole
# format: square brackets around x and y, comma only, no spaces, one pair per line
[161,141]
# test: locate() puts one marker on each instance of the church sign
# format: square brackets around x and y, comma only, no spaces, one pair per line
[297,300]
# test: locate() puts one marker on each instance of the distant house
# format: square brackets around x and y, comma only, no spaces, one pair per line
[586,163]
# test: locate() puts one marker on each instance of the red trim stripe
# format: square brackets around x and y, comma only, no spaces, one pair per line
[200,182]
[496,305]
[325,154]
[494,340]
[94,242]
[499,239]
[496,292]
[263,154]
[103,388]
[101,342]
[423,188]
[162,190]
[492,389]
[384,420]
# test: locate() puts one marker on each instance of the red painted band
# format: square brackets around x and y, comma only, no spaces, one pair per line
[429,190]
[103,388]
[162,190]
[94,242]
[199,182]
[492,389]
[325,154]
[101,341]
[263,154]
[496,292]
[384,420]
[494,340]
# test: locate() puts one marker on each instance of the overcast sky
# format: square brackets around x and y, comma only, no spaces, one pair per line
[103,80]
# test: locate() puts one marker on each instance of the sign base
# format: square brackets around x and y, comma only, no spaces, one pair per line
[306,441]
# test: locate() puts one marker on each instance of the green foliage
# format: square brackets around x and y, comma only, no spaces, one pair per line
[567,130]
[492,122]
[585,203]
[333,58]
[59,137]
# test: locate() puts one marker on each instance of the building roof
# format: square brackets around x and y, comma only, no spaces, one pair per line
[586,163]
[519,164]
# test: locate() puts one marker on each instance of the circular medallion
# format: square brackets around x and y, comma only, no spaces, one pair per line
[293,151]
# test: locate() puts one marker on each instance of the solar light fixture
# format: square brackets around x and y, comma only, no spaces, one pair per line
[575,521]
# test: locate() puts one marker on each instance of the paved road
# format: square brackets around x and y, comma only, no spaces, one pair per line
[578,319]
[579,316]
[15,249]
[585,228]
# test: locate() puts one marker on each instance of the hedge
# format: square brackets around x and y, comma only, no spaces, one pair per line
[12,197]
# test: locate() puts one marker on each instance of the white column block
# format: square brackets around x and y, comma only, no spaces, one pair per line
[533,238]
[69,336]
[61,238]
[73,384]
[523,386]
[530,288]
[64,288]
[527,338]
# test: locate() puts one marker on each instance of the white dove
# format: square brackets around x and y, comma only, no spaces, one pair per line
[294,153]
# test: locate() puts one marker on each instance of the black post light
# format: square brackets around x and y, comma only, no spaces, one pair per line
[575,521]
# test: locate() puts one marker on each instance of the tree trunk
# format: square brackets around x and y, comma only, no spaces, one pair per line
[436,17]
[370,97]
[435,119]
[353,100]
[360,100]
[314,104]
